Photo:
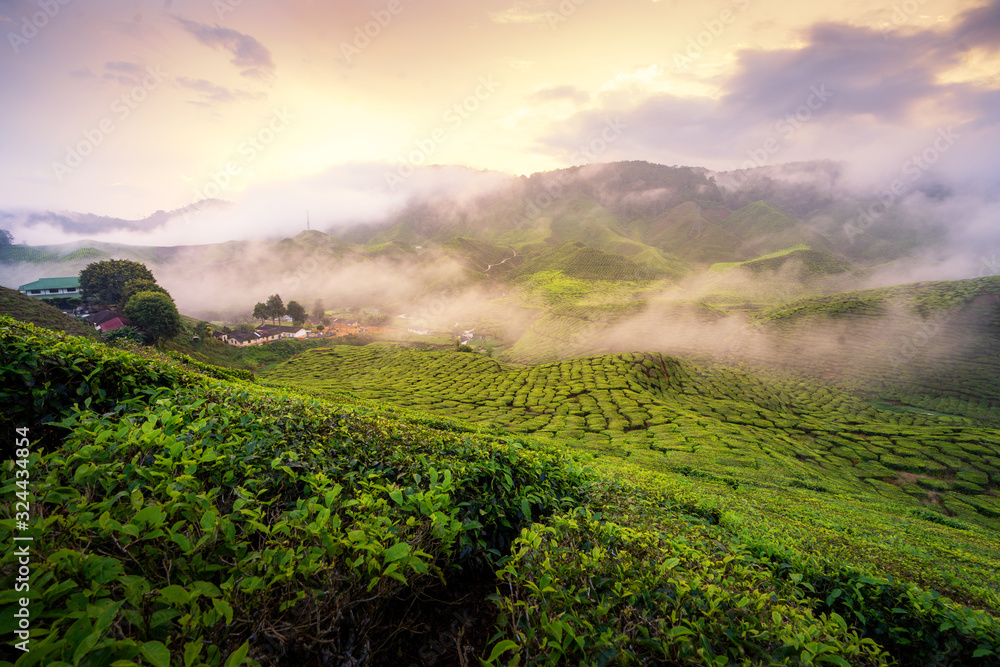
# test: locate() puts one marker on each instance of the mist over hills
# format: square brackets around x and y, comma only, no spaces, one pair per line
[567,262]
[752,349]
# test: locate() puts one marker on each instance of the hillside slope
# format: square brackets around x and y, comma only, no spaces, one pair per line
[41,314]
[279,527]
[933,345]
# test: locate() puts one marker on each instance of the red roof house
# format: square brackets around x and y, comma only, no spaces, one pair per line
[111,325]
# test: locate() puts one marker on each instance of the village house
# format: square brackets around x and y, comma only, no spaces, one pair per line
[274,332]
[100,316]
[52,289]
[110,325]
[243,338]
[263,334]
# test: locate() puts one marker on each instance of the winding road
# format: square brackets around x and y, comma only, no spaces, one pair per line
[503,262]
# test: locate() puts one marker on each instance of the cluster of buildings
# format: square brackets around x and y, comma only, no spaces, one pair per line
[58,290]
[262,334]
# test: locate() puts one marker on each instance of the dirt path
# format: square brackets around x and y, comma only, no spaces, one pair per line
[503,262]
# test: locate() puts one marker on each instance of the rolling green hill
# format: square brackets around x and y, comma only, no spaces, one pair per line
[647,462]
[283,526]
[481,257]
[764,229]
[930,346]
[41,314]
[747,428]
[809,264]
[761,436]
[577,260]
[686,232]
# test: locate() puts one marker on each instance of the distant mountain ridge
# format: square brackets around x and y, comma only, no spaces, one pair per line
[651,222]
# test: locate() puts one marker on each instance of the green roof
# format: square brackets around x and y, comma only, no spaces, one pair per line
[51,283]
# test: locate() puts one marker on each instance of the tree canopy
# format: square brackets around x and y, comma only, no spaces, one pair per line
[137,285]
[260,312]
[275,307]
[154,313]
[104,282]
[297,312]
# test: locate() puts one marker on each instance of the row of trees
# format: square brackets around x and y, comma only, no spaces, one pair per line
[274,309]
[131,287]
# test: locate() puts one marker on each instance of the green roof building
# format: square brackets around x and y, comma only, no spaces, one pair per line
[49,289]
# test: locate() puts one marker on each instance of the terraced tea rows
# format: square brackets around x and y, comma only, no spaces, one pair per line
[929,347]
[305,530]
[702,420]
[935,346]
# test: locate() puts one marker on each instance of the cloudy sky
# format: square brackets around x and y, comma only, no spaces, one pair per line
[125,107]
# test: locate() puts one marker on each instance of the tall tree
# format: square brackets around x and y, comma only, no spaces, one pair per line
[319,310]
[260,312]
[275,307]
[154,313]
[103,282]
[6,238]
[297,313]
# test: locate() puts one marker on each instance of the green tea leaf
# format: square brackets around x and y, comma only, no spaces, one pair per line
[156,653]
[238,656]
[396,552]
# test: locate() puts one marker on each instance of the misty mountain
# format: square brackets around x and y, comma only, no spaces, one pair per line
[89,224]
[619,221]
[666,214]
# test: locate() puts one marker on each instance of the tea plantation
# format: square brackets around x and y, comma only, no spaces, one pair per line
[609,510]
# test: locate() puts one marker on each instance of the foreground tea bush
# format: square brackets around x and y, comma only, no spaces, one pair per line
[205,522]
[590,592]
[661,571]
